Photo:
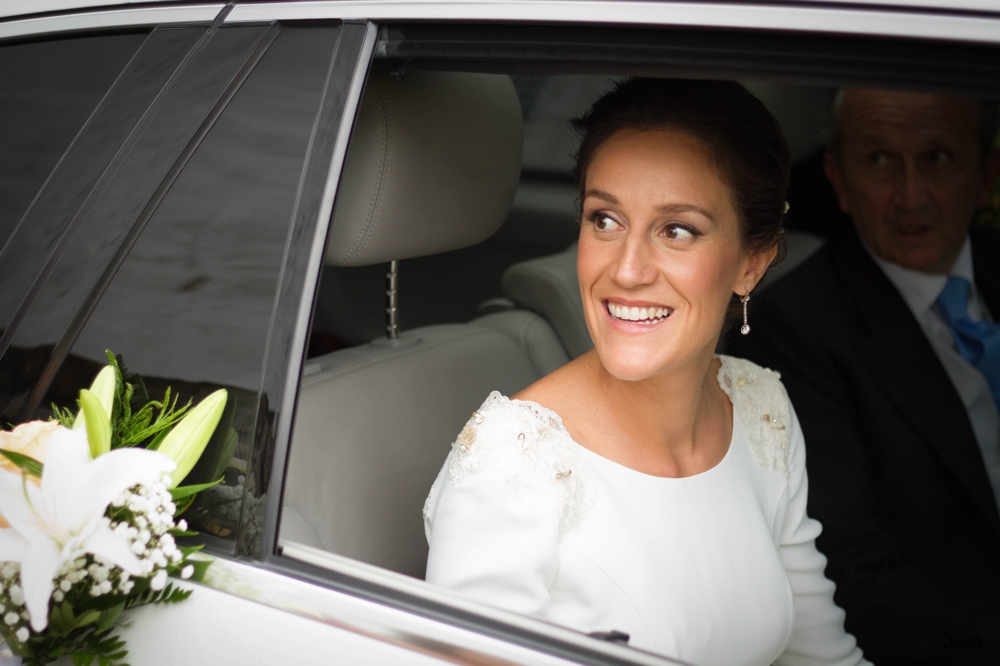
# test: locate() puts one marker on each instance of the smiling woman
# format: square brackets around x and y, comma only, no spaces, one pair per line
[615,493]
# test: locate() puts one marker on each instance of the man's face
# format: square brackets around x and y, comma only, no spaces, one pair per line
[910,174]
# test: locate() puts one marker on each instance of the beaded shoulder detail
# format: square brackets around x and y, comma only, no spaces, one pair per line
[529,445]
[759,397]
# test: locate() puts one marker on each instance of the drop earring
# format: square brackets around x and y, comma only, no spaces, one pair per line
[745,328]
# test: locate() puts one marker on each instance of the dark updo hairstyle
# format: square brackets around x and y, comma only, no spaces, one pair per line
[735,127]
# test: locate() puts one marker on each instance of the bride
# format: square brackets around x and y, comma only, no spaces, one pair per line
[651,486]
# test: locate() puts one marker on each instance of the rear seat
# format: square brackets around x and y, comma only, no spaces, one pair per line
[433,164]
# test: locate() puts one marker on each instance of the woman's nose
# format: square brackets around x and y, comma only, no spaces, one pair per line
[634,265]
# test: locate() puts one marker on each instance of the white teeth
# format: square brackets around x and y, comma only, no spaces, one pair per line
[643,315]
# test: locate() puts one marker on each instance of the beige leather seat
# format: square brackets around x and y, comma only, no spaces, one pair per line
[433,164]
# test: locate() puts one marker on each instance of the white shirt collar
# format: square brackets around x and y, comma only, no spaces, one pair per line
[920,290]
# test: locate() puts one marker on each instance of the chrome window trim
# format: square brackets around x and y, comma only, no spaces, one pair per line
[820,19]
[117,18]
[296,354]
[400,626]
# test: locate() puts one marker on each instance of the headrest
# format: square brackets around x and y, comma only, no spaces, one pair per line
[432,166]
[549,286]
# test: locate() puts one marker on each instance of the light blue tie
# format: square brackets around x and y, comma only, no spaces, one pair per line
[977,341]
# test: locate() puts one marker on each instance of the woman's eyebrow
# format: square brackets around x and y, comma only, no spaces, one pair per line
[601,194]
[668,209]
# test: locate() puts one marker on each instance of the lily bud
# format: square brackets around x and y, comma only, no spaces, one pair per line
[103,388]
[98,423]
[186,442]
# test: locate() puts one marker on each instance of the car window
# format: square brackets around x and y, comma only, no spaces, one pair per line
[191,304]
[366,400]
[50,89]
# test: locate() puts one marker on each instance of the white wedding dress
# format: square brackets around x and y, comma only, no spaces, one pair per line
[716,568]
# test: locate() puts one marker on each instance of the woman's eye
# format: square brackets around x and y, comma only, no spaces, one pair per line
[604,223]
[678,232]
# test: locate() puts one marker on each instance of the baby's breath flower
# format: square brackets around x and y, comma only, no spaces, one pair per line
[58,596]
[11,618]
[6,653]
[17,595]
[22,634]
[159,580]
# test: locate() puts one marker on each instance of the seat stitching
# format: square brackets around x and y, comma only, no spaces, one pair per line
[375,207]
[333,374]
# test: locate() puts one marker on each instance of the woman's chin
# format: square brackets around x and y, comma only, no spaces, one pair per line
[629,368]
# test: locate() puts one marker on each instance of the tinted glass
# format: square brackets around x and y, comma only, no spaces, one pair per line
[47,91]
[73,188]
[191,305]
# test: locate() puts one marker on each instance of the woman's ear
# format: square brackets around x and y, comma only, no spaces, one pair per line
[757,264]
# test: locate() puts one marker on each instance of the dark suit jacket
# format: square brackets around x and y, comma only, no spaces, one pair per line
[910,526]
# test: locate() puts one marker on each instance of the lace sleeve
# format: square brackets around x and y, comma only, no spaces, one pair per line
[508,491]
[759,397]
[530,448]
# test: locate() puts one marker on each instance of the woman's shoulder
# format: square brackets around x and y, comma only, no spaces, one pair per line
[530,448]
[761,402]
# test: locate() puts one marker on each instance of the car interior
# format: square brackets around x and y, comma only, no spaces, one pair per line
[463,181]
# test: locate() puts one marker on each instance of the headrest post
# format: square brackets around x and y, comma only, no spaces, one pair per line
[392,325]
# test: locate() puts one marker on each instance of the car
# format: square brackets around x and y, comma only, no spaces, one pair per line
[358,217]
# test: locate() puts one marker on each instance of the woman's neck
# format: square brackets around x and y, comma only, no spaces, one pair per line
[674,424]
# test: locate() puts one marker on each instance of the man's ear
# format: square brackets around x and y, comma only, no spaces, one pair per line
[831,167]
[991,171]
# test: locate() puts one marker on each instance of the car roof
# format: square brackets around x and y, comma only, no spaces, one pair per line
[14,8]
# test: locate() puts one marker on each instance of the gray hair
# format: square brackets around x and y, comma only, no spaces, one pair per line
[989,125]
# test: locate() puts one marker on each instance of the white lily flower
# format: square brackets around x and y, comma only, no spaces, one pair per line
[64,518]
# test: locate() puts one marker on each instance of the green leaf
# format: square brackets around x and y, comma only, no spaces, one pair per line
[109,617]
[181,505]
[98,423]
[200,569]
[83,658]
[88,618]
[184,491]
[27,464]
[155,444]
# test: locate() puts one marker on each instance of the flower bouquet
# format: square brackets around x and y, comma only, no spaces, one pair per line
[88,517]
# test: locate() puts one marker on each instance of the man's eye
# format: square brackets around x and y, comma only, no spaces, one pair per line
[678,232]
[878,159]
[940,157]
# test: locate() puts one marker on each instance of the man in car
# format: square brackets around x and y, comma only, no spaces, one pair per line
[886,342]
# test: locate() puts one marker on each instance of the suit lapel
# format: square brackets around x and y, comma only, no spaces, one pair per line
[902,360]
[986,263]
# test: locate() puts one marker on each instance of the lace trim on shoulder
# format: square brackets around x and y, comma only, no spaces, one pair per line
[759,397]
[529,445]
